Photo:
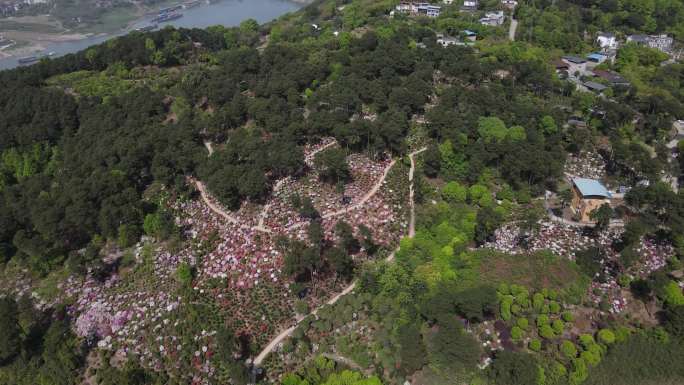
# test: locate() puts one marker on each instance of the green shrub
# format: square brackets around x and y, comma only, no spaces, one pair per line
[622,333]
[567,316]
[554,307]
[586,340]
[538,302]
[454,192]
[505,308]
[516,333]
[184,274]
[535,345]
[545,331]
[515,309]
[673,294]
[503,289]
[542,319]
[606,336]
[523,323]
[591,358]
[558,326]
[568,349]
[579,373]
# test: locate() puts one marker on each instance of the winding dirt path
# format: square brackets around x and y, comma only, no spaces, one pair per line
[287,332]
[201,187]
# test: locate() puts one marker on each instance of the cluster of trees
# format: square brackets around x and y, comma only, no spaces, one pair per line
[306,260]
[323,371]
[37,347]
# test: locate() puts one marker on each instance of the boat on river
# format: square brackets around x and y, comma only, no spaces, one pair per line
[147,28]
[162,18]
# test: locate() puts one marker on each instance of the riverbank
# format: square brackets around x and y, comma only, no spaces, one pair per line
[49,37]
[42,34]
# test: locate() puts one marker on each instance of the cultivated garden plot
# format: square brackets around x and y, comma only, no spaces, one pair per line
[580,246]
[238,280]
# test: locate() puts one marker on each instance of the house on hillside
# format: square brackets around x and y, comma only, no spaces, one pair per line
[510,4]
[575,64]
[607,41]
[661,42]
[429,10]
[446,41]
[470,35]
[614,78]
[594,87]
[493,19]
[596,58]
[470,5]
[561,67]
[418,9]
[587,196]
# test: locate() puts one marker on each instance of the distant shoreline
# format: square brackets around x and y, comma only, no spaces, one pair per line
[34,42]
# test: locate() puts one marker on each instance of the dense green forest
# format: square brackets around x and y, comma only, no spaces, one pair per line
[93,144]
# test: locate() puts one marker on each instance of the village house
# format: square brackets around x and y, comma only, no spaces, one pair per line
[594,87]
[561,68]
[607,41]
[575,64]
[446,41]
[470,5]
[419,9]
[429,10]
[587,196]
[510,4]
[596,58]
[470,35]
[614,78]
[493,19]
[660,42]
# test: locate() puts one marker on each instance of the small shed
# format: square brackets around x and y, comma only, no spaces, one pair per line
[595,87]
[587,196]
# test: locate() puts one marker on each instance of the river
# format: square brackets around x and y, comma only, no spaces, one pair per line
[223,12]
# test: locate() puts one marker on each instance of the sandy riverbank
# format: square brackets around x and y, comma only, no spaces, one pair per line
[32,42]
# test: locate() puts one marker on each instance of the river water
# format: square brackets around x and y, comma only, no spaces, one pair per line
[223,12]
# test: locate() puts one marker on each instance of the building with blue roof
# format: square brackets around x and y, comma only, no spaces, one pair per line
[597,58]
[587,196]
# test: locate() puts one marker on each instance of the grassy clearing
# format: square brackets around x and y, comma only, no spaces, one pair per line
[113,20]
[536,271]
[13,25]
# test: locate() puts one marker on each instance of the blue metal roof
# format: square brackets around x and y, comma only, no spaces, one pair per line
[591,187]
[596,56]
[469,32]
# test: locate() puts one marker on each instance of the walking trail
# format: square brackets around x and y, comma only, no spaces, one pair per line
[260,226]
[287,332]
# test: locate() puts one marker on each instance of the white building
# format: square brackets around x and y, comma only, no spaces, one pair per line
[415,9]
[470,5]
[446,41]
[660,42]
[607,41]
[493,19]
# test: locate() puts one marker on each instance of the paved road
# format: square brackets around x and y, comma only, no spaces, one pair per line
[512,29]
[287,332]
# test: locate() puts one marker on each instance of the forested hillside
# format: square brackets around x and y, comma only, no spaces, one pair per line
[183,206]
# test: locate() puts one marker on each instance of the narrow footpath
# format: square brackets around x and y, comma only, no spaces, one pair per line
[287,332]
